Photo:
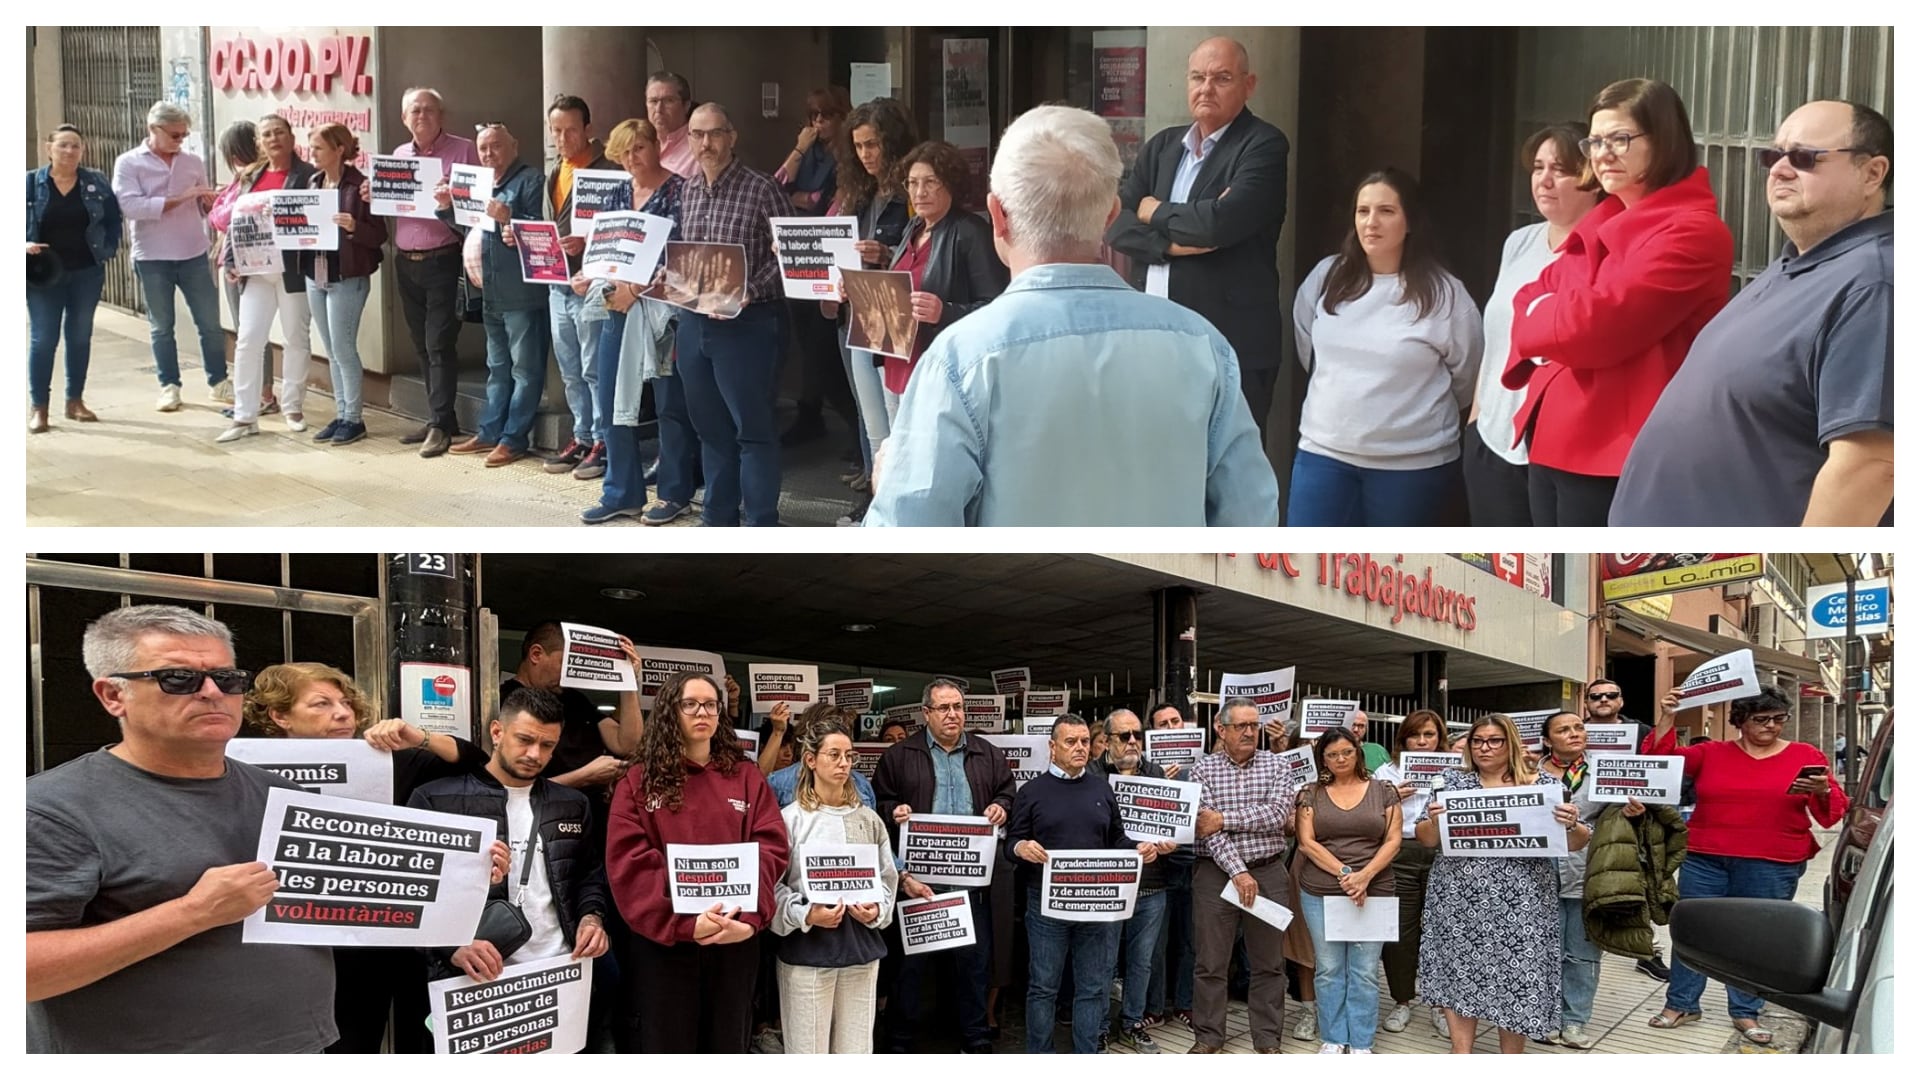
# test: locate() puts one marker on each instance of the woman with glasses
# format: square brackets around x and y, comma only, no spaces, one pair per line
[1601,332]
[1565,757]
[1422,732]
[690,977]
[1750,834]
[1492,947]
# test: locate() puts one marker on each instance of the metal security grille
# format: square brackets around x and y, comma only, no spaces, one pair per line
[111,76]
[1739,82]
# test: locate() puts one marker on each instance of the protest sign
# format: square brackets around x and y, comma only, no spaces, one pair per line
[625,245]
[880,312]
[1090,885]
[1416,767]
[1376,920]
[749,742]
[303,219]
[1156,810]
[830,873]
[907,714]
[352,873]
[346,768]
[806,265]
[403,186]
[1038,725]
[794,685]
[1726,678]
[1267,911]
[845,255]
[1013,680]
[1613,738]
[942,921]
[948,849]
[702,875]
[250,236]
[707,279]
[657,665]
[1045,703]
[986,713]
[1176,746]
[592,659]
[1317,716]
[1026,755]
[1270,691]
[855,694]
[866,757]
[1298,763]
[539,1007]
[472,188]
[596,191]
[1502,823]
[1531,726]
[1654,780]
[542,260]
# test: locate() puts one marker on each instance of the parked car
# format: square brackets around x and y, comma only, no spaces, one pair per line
[1869,799]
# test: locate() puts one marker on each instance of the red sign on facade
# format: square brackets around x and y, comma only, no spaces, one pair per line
[292,65]
[1386,584]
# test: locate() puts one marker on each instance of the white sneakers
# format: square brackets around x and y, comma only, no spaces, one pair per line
[296,422]
[1576,1036]
[1357,1050]
[1332,1048]
[1308,1029]
[222,392]
[169,398]
[1440,1022]
[1397,1019]
[238,432]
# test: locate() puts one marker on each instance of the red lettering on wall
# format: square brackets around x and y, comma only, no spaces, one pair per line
[1374,582]
[291,65]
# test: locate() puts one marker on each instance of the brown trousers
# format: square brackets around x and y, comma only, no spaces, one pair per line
[1214,923]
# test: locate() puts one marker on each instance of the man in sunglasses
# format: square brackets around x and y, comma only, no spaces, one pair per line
[1782,413]
[141,865]
[1143,936]
[1606,705]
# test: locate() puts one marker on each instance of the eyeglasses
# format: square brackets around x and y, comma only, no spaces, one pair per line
[1775,720]
[176,136]
[948,709]
[697,708]
[1604,695]
[707,136]
[1495,743]
[1251,725]
[1619,142]
[1219,80]
[1803,159]
[1127,736]
[182,681]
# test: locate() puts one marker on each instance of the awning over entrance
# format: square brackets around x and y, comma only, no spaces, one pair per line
[1711,644]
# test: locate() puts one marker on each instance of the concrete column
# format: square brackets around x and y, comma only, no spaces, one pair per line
[1176,645]
[1430,680]
[604,65]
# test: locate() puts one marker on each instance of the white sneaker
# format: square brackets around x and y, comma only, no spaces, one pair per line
[169,398]
[1357,1050]
[1440,1028]
[1332,1048]
[1308,1029]
[1397,1019]
[296,422]
[1576,1036]
[238,432]
[221,392]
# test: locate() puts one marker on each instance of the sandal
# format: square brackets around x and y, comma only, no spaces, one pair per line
[1663,1021]
[1757,1035]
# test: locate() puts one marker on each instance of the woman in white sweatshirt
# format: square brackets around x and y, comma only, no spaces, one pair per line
[828,957]
[1391,343]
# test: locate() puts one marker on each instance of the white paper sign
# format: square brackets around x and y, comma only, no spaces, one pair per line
[1615,778]
[1318,716]
[1013,680]
[472,188]
[794,685]
[1027,755]
[986,714]
[596,191]
[855,694]
[1613,738]
[539,1007]
[403,186]
[845,256]
[250,236]
[1298,763]
[941,921]
[592,659]
[1046,703]
[1501,823]
[1416,767]
[1176,746]
[1726,678]
[657,665]
[347,768]
[949,849]
[1154,809]
[437,698]
[303,219]
[1090,885]
[1038,725]
[1270,691]
[831,873]
[868,81]
[1532,726]
[1376,920]
[806,264]
[749,741]
[352,873]
[866,757]
[702,875]
[1267,911]
[906,714]
[625,245]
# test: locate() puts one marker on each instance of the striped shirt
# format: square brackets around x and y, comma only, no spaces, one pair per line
[1256,801]
[736,209]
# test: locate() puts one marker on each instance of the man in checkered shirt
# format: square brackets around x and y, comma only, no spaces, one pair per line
[1246,815]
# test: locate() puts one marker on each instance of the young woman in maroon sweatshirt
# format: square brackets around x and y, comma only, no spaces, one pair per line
[690,977]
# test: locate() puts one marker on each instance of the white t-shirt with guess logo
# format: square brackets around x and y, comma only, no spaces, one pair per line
[536,900]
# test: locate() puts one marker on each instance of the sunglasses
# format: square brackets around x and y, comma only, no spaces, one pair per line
[183,681]
[1127,736]
[1803,159]
[1605,695]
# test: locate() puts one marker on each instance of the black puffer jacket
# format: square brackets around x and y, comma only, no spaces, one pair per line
[1631,863]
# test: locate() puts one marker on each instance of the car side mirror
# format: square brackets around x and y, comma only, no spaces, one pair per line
[1778,949]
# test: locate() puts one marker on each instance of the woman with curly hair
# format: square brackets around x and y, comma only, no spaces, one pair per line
[690,977]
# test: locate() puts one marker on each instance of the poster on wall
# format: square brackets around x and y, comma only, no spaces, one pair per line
[965,117]
[868,81]
[438,698]
[1120,89]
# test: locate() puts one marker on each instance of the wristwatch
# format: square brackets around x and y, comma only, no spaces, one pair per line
[1345,870]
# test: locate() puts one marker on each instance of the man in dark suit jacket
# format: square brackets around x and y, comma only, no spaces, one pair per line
[1202,212]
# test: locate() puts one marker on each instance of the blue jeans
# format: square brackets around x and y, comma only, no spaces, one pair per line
[1140,939]
[1579,964]
[516,372]
[72,302]
[576,350]
[1703,876]
[337,307]
[868,398]
[624,487]
[194,278]
[1176,945]
[1326,492]
[679,446]
[729,369]
[1049,943]
[966,972]
[1346,988]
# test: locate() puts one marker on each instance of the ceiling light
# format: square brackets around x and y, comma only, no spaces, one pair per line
[859,628]
[885,689]
[623,594]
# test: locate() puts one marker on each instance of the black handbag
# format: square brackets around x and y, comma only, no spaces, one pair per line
[470,300]
[502,923]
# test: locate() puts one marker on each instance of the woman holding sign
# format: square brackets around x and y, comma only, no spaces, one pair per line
[829,953]
[1422,732]
[339,282]
[1750,833]
[1565,737]
[1495,952]
[690,976]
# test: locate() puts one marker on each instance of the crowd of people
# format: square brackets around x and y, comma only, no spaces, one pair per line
[140,867]
[1608,378]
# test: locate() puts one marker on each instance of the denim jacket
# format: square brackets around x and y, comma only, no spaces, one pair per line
[103,209]
[522,189]
[1073,400]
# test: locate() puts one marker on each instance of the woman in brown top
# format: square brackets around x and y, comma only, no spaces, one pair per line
[1349,827]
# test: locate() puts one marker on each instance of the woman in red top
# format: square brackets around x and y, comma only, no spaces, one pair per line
[690,977]
[1610,320]
[1749,834]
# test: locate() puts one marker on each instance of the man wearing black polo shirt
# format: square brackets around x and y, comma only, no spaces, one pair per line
[593,746]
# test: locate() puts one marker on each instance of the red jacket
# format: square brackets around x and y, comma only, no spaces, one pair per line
[1616,314]
[714,809]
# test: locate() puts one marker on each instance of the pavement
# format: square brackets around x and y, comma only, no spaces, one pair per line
[140,467]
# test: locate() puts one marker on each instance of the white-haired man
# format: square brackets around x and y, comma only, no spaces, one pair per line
[1000,423]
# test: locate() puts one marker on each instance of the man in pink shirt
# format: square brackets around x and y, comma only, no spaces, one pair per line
[669,104]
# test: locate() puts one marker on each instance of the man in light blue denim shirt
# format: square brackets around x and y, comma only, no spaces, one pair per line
[1072,399]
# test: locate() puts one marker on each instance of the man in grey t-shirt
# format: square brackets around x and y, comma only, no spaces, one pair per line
[141,866]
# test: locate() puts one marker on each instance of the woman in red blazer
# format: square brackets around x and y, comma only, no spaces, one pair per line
[1599,335]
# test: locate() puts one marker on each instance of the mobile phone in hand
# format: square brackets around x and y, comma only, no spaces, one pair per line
[1809,772]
